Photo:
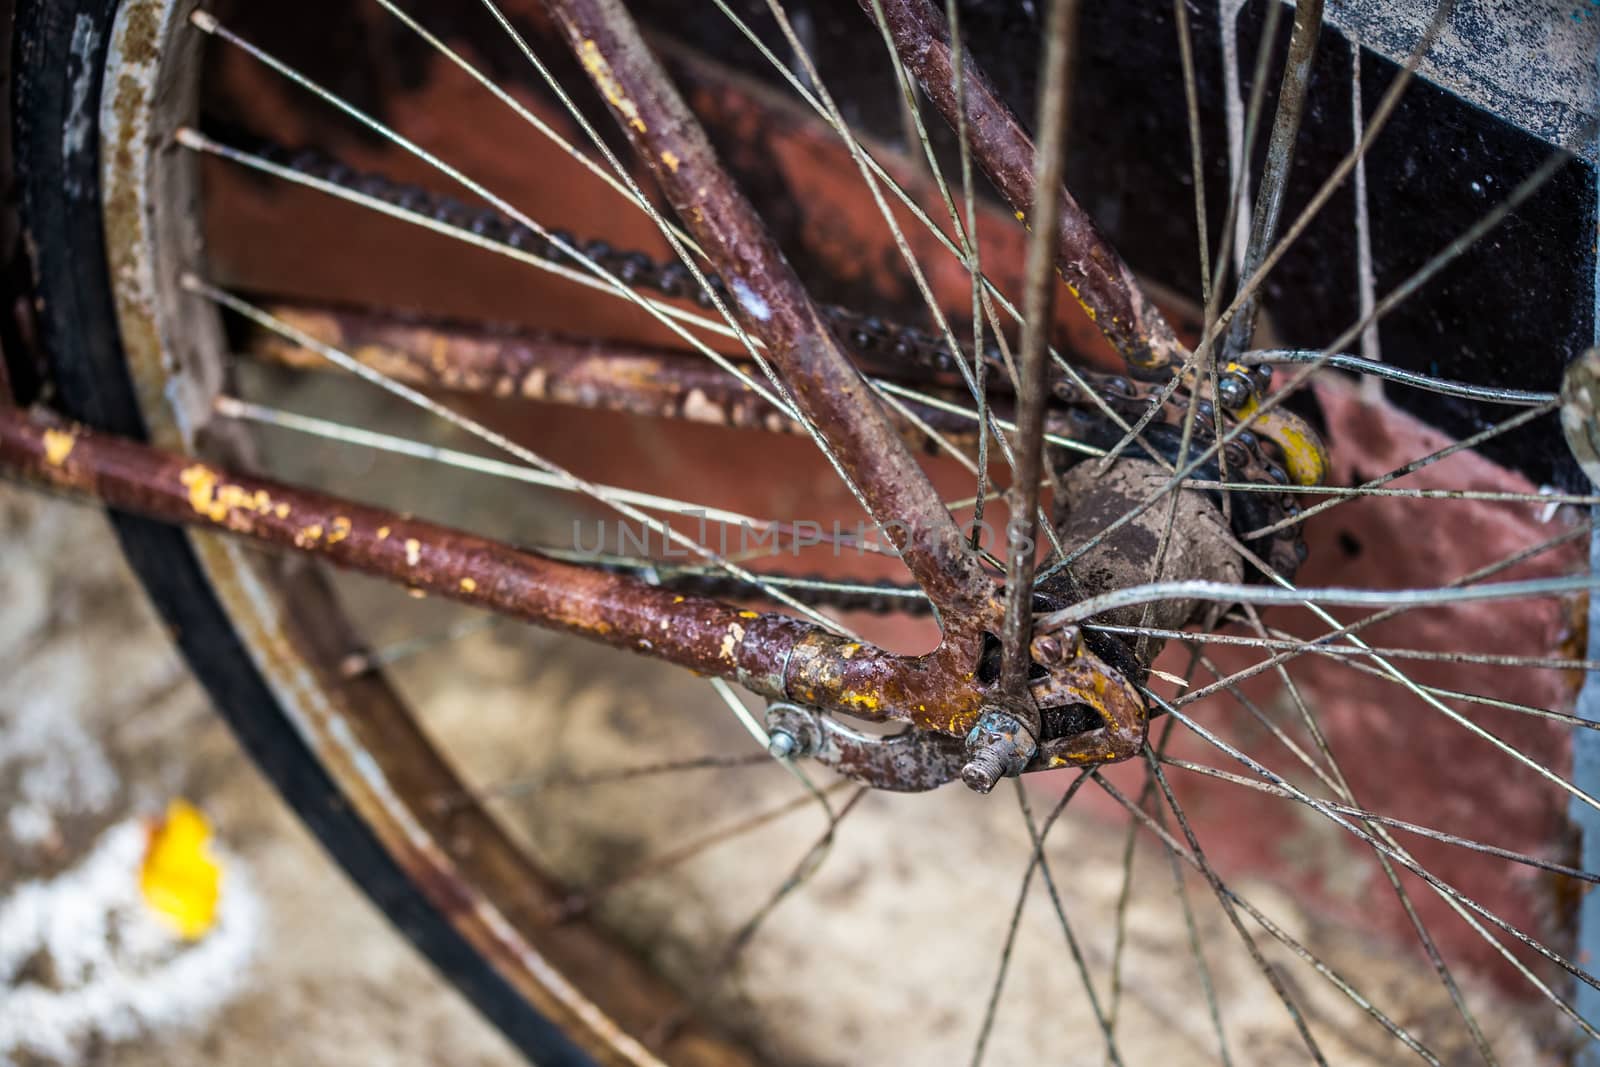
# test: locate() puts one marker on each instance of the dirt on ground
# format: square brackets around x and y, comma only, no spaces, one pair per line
[100,722]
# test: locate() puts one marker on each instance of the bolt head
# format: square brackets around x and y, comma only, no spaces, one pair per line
[1234,390]
[1048,650]
[781,744]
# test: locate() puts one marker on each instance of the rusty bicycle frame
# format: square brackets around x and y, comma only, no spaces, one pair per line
[772,654]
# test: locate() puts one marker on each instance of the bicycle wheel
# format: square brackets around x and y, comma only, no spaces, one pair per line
[544,910]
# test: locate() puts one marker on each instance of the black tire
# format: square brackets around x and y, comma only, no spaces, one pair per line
[59,51]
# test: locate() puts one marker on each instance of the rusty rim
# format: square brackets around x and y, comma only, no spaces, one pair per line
[361,730]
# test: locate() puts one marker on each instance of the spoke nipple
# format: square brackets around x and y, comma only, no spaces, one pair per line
[204,21]
[781,744]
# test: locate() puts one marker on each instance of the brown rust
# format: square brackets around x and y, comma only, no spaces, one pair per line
[691,631]
[1096,275]
[771,654]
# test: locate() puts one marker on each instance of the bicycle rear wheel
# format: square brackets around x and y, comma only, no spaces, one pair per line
[268,637]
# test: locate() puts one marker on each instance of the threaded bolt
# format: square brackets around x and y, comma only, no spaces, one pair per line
[999,745]
[984,770]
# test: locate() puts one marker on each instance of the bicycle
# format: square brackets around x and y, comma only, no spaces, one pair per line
[1171,505]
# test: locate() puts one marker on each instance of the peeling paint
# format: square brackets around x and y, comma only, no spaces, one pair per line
[730,640]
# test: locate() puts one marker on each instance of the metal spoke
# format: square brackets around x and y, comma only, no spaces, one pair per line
[1438,885]
[992,296]
[1073,947]
[802,872]
[1387,820]
[1232,902]
[668,316]
[1034,855]
[627,189]
[1280,154]
[528,784]
[579,902]
[1038,307]
[358,663]
[1342,786]
[1318,647]
[1343,630]
[907,255]
[1253,280]
[1471,920]
[1227,592]
[1226,898]
[969,200]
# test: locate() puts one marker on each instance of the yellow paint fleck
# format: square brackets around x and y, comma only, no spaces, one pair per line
[307,536]
[670,158]
[677,600]
[869,701]
[58,446]
[339,531]
[1021,216]
[595,63]
[214,499]
[383,533]
[201,481]
[468,585]
[416,594]
[749,615]
[413,551]
[179,878]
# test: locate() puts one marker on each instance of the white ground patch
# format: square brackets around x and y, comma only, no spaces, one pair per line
[115,969]
[60,768]
[97,711]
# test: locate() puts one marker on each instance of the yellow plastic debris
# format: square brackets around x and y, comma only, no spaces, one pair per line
[179,878]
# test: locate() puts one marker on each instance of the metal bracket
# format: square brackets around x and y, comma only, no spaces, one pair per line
[913,761]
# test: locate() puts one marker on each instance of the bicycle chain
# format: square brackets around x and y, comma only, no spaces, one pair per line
[1250,457]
